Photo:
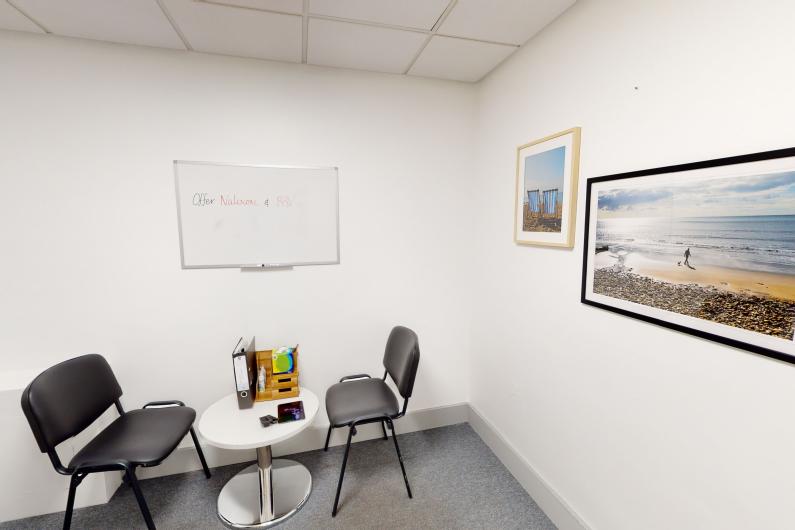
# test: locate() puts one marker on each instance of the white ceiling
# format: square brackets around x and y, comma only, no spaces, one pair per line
[464,60]
[462,40]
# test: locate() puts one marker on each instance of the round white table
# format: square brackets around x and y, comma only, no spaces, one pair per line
[270,491]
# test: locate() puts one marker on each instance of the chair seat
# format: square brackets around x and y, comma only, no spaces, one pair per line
[359,399]
[141,437]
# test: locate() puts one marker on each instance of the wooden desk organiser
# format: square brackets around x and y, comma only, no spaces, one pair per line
[277,386]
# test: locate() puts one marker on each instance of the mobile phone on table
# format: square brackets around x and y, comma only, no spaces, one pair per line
[292,411]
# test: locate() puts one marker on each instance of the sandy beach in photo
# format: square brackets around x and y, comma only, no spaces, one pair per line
[757,301]
[538,223]
[760,283]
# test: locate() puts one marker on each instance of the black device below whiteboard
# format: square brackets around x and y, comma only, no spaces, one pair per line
[239,216]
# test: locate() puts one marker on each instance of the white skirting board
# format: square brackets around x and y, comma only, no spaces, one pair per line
[557,509]
[547,498]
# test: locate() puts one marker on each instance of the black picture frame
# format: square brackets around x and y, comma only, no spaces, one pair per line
[728,161]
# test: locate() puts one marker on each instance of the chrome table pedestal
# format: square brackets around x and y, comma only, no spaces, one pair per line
[265,493]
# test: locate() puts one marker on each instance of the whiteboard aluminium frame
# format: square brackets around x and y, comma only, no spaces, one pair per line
[252,265]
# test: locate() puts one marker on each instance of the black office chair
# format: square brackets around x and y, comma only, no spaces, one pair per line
[66,398]
[360,399]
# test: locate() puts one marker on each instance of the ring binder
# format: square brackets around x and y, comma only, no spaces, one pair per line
[245,380]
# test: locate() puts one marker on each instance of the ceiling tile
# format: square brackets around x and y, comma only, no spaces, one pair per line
[421,14]
[227,30]
[12,19]
[508,21]
[126,21]
[296,7]
[459,59]
[346,45]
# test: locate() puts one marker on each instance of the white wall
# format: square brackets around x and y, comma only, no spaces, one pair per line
[635,426]
[89,230]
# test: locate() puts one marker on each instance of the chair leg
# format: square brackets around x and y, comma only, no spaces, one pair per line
[150,524]
[383,428]
[70,501]
[342,472]
[328,437]
[201,453]
[400,458]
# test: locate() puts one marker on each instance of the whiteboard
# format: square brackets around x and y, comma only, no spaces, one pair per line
[256,216]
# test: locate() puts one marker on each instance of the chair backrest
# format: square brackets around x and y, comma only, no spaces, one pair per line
[401,358]
[66,398]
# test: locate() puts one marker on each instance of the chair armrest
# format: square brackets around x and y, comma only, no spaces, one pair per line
[173,403]
[357,376]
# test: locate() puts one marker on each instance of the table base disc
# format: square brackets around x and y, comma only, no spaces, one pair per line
[239,500]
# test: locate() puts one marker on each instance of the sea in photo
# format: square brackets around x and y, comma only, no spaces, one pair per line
[737,270]
[543,191]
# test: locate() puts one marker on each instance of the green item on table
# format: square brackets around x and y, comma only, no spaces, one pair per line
[283,362]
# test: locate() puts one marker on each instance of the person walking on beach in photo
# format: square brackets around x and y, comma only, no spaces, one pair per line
[687,256]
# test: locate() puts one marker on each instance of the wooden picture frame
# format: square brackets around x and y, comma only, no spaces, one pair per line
[545,201]
[704,248]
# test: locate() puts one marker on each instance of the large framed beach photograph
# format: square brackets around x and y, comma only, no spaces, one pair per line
[546,190]
[706,248]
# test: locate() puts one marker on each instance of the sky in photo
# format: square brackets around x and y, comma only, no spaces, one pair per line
[767,194]
[544,171]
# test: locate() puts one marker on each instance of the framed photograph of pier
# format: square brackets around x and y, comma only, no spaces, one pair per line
[706,248]
[546,190]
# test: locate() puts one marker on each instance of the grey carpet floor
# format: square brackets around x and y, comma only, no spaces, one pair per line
[456,480]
